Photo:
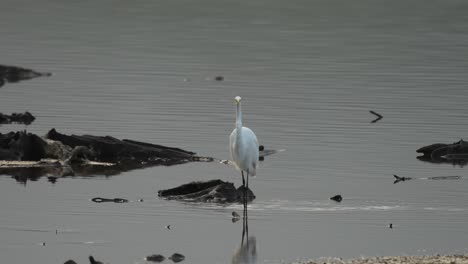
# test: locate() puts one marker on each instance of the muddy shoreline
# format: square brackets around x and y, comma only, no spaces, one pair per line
[424,259]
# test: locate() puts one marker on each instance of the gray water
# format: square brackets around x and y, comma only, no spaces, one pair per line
[308,72]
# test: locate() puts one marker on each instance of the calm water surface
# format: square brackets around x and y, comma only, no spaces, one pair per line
[309,72]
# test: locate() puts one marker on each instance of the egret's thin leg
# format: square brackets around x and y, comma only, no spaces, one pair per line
[247,226]
[246,217]
[243,180]
[243,185]
[246,195]
[243,228]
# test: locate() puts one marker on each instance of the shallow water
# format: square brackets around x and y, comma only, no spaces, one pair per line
[308,72]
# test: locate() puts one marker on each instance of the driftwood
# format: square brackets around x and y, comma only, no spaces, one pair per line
[28,156]
[379,116]
[109,200]
[455,153]
[213,191]
[14,74]
[22,118]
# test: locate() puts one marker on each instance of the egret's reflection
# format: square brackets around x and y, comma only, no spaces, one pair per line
[247,251]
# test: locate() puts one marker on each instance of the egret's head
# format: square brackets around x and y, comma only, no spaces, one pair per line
[237,99]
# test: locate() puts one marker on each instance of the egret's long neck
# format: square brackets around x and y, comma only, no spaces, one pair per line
[238,118]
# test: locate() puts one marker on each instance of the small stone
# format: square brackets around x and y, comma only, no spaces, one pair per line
[93,261]
[176,257]
[219,78]
[337,198]
[155,258]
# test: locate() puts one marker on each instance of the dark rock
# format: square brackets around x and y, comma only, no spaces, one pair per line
[176,257]
[213,191]
[336,198]
[427,150]
[93,261]
[240,194]
[455,153]
[110,149]
[219,78]
[235,217]
[14,74]
[26,118]
[155,258]
[78,155]
[21,146]
[70,261]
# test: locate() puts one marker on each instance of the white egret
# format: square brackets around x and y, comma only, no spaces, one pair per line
[243,146]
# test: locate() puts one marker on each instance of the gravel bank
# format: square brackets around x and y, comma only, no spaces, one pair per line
[437,259]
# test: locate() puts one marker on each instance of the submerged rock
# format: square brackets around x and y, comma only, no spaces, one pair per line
[213,191]
[455,153]
[22,118]
[14,74]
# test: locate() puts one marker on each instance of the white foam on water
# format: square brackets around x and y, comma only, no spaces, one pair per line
[315,206]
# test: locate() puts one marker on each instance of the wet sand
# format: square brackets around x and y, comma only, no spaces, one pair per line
[455,259]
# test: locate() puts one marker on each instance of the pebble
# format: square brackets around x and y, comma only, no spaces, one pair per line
[337,198]
[176,257]
[155,258]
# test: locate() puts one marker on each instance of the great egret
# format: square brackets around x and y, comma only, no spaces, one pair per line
[243,146]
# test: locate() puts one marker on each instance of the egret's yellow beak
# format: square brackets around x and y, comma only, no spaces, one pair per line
[237,99]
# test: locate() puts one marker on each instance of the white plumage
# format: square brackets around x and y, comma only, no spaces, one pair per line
[243,146]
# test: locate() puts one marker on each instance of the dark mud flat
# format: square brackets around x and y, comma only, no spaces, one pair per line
[455,153]
[13,74]
[26,156]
